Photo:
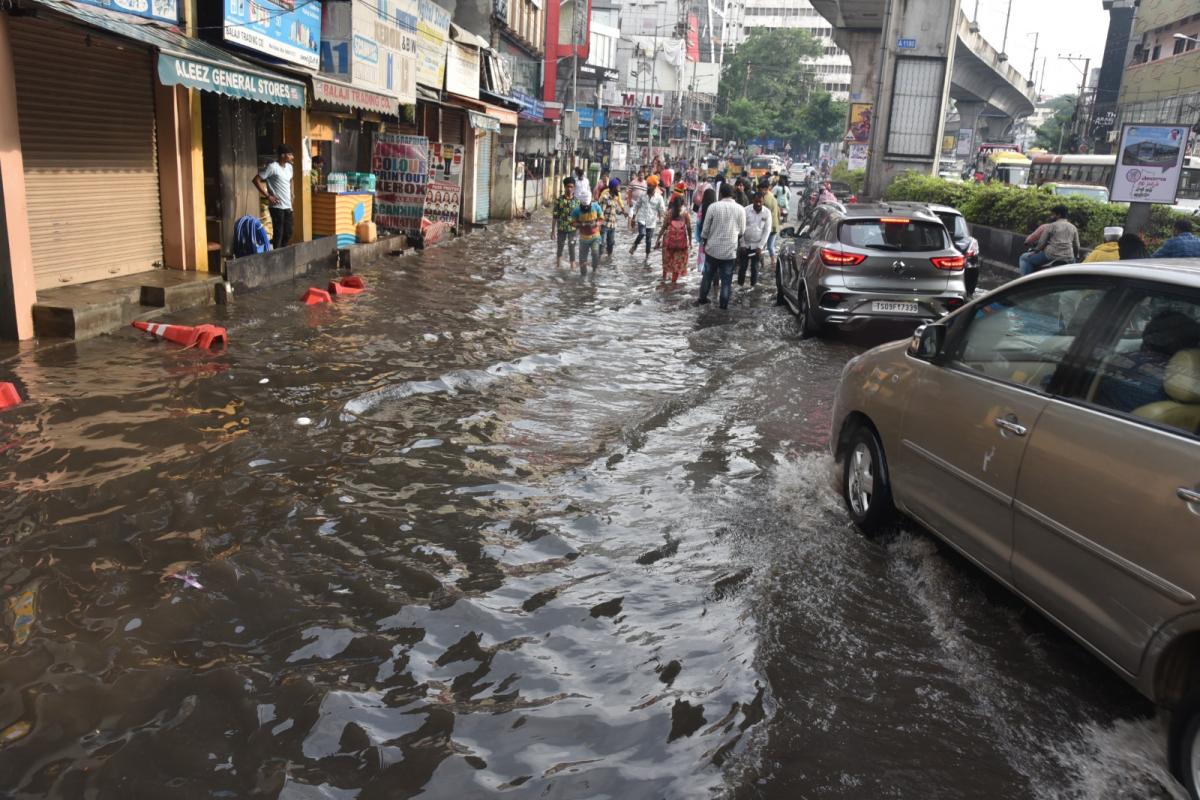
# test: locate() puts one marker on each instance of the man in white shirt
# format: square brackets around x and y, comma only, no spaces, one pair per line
[583,189]
[758,231]
[274,182]
[724,224]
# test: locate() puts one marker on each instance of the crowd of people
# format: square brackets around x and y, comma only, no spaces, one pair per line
[716,226]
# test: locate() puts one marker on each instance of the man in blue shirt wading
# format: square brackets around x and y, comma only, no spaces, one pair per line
[1182,245]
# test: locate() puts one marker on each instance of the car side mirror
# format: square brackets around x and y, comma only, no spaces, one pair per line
[927,342]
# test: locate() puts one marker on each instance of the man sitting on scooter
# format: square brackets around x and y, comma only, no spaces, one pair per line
[1058,244]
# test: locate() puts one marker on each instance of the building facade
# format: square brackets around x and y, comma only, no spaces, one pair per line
[1161,81]
[832,67]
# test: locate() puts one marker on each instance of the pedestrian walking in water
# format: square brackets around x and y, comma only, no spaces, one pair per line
[562,226]
[647,213]
[588,217]
[783,197]
[740,194]
[767,198]
[676,239]
[637,188]
[710,197]
[724,224]
[614,209]
[758,231]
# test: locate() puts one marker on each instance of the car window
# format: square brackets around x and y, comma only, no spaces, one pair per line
[954,223]
[894,233]
[1024,335]
[1149,365]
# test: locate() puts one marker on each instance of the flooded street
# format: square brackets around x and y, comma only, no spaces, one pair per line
[493,529]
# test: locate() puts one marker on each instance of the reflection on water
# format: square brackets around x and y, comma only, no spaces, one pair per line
[486,528]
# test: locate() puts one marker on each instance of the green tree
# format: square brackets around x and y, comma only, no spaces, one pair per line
[1058,127]
[767,88]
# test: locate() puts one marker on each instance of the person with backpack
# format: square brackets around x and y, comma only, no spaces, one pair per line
[676,240]
[588,218]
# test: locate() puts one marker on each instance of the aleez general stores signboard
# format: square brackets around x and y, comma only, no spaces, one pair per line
[1149,163]
[175,71]
[289,30]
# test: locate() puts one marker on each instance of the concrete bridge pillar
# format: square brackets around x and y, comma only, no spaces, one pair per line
[919,38]
[862,45]
[997,128]
[969,122]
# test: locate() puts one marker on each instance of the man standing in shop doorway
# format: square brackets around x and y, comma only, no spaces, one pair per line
[274,182]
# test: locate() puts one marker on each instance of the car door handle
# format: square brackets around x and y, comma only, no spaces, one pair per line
[1011,425]
[1188,495]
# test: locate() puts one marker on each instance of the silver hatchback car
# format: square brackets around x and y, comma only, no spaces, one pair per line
[1050,432]
[852,264]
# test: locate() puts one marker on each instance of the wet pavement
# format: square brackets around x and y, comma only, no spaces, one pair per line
[493,529]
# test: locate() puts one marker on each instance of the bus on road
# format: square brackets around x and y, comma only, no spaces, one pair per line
[1098,171]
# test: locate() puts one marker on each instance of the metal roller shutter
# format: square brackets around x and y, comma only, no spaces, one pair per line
[87,138]
[483,183]
[453,122]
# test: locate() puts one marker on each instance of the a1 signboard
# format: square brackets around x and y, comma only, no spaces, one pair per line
[282,29]
[1149,163]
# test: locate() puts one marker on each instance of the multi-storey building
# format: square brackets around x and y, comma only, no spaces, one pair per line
[832,66]
[1161,82]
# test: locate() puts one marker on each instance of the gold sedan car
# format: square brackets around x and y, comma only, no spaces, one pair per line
[1050,432]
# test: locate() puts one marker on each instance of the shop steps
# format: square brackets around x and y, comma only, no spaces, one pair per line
[89,309]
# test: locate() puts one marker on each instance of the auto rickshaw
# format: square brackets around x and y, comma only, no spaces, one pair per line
[735,166]
[712,167]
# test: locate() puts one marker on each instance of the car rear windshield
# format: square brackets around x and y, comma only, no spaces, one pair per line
[760,163]
[955,224]
[909,235]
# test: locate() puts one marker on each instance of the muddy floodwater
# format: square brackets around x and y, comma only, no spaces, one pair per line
[493,530]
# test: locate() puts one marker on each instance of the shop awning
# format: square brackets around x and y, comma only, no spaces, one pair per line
[345,94]
[189,62]
[483,122]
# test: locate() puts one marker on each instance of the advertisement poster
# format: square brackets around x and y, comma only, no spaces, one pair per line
[372,51]
[858,156]
[858,130]
[446,162]
[161,10]
[401,167]
[1149,163]
[442,202]
[284,29]
[433,30]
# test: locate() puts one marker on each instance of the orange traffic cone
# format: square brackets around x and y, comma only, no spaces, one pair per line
[314,296]
[9,396]
[352,284]
[203,336]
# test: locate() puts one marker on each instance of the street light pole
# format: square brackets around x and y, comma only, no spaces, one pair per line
[1004,44]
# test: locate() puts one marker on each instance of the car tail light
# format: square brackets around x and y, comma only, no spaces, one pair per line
[831,299]
[972,246]
[953,303]
[836,258]
[894,220]
[949,262]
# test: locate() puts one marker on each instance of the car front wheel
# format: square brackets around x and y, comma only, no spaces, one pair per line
[1185,745]
[865,486]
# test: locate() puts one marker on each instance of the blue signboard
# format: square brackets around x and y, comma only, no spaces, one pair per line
[531,107]
[590,117]
[284,29]
[906,44]
[161,10]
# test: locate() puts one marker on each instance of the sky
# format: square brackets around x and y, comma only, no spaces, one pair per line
[1066,27]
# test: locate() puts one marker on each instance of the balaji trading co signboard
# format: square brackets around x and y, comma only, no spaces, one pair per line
[1149,163]
[289,30]
[161,10]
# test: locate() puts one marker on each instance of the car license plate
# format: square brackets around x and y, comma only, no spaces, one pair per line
[893,307]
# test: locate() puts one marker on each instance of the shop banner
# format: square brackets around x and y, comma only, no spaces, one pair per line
[373,51]
[401,167]
[283,29]
[161,10]
[1149,163]
[433,31]
[229,81]
[343,95]
[858,156]
[462,70]
[446,162]
[858,128]
[443,201]
[482,122]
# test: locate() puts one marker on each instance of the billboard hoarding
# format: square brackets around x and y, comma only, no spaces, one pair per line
[277,29]
[1149,163]
[401,167]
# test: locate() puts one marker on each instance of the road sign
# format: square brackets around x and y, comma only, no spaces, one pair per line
[906,44]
